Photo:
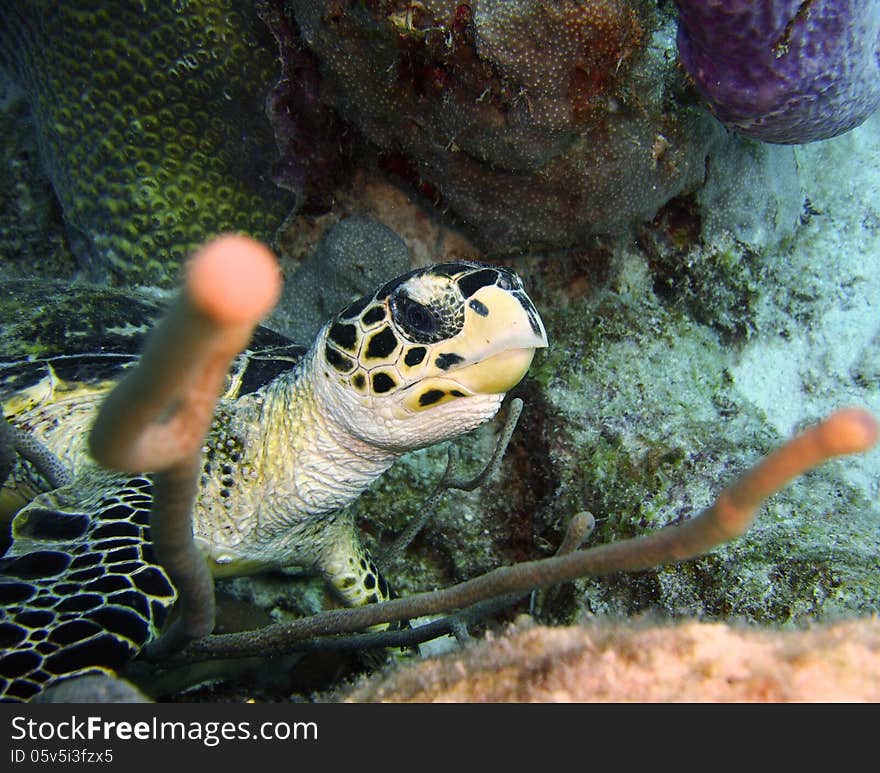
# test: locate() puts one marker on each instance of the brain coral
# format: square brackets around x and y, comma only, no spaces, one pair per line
[151,124]
[535,123]
[784,70]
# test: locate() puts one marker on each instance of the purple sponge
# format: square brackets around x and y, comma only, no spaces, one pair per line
[787,71]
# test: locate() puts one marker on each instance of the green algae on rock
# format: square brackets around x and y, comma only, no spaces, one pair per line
[654,398]
[670,371]
[647,427]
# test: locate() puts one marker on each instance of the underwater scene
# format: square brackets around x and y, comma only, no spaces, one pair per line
[389,351]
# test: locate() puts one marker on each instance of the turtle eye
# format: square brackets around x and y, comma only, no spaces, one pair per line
[414,317]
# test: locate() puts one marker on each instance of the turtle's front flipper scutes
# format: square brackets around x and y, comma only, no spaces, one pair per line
[348,568]
[38,469]
[79,589]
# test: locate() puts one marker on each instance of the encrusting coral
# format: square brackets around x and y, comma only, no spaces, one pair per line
[531,123]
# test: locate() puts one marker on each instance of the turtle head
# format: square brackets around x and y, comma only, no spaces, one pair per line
[430,354]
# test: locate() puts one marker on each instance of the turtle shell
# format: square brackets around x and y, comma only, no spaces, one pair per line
[56,338]
[80,589]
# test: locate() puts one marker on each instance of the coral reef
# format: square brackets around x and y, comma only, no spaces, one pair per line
[643,406]
[631,427]
[638,661]
[464,105]
[640,381]
[31,230]
[743,310]
[731,514]
[158,139]
[354,256]
[784,70]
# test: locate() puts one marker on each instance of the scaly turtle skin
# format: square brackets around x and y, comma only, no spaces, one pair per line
[297,436]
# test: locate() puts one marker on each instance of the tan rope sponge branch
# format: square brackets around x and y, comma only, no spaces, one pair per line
[158,414]
[846,431]
[156,418]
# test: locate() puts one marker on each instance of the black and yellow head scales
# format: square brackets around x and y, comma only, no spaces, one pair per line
[435,335]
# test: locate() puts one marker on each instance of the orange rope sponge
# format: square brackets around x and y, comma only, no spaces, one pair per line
[847,431]
[233,280]
[158,415]
[156,418]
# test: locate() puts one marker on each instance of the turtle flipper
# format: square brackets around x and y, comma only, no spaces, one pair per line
[27,467]
[80,591]
[351,572]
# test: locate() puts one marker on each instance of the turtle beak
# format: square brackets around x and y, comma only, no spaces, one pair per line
[503,330]
[498,373]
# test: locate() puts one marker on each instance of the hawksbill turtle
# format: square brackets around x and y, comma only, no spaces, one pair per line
[298,434]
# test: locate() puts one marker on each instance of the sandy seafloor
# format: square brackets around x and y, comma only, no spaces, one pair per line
[835,360]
